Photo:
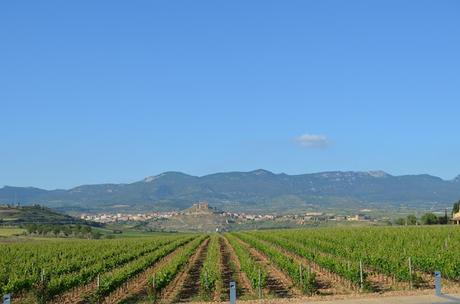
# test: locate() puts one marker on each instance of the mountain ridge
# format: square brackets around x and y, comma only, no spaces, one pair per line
[252,190]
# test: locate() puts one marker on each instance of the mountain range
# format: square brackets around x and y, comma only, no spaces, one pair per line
[258,190]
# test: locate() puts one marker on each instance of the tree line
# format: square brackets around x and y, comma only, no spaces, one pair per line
[428,218]
[76,231]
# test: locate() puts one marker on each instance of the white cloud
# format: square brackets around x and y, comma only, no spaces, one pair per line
[312,141]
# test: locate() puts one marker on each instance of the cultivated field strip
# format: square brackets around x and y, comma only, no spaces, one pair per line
[179,281]
[401,263]
[153,280]
[66,264]
[211,272]
[277,282]
[264,264]
[230,258]
[388,251]
[327,282]
[112,279]
[256,273]
[109,279]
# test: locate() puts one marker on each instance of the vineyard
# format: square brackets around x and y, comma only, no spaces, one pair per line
[199,267]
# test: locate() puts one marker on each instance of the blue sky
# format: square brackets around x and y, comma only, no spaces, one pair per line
[112,91]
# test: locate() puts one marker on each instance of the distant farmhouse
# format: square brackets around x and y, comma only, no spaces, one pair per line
[359,217]
[456,218]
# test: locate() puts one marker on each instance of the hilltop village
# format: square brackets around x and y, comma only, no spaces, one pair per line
[203,208]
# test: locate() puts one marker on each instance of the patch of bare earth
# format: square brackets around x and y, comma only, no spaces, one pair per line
[75,295]
[381,283]
[226,270]
[426,281]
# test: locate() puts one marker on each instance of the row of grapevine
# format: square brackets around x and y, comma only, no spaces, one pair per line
[45,290]
[167,273]
[67,263]
[388,249]
[112,280]
[349,271]
[256,274]
[334,248]
[59,284]
[300,274]
[210,274]
[50,268]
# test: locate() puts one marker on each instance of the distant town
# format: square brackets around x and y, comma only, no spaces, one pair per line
[203,207]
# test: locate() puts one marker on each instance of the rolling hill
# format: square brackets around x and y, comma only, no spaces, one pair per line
[258,190]
[22,215]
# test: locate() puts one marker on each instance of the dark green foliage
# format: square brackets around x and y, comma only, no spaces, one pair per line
[400,221]
[429,219]
[456,208]
[78,231]
[443,220]
[411,219]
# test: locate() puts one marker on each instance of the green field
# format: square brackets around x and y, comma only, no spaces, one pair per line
[141,268]
[11,231]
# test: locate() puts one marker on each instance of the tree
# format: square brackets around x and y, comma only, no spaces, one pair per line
[443,220]
[400,221]
[56,230]
[429,219]
[86,229]
[411,219]
[456,208]
[31,228]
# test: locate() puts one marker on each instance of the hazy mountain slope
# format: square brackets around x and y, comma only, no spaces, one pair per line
[255,190]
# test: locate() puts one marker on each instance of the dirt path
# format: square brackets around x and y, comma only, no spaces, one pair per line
[75,295]
[278,283]
[415,298]
[192,284]
[226,270]
[187,283]
[244,287]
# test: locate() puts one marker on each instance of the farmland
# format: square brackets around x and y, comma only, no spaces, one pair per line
[286,263]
